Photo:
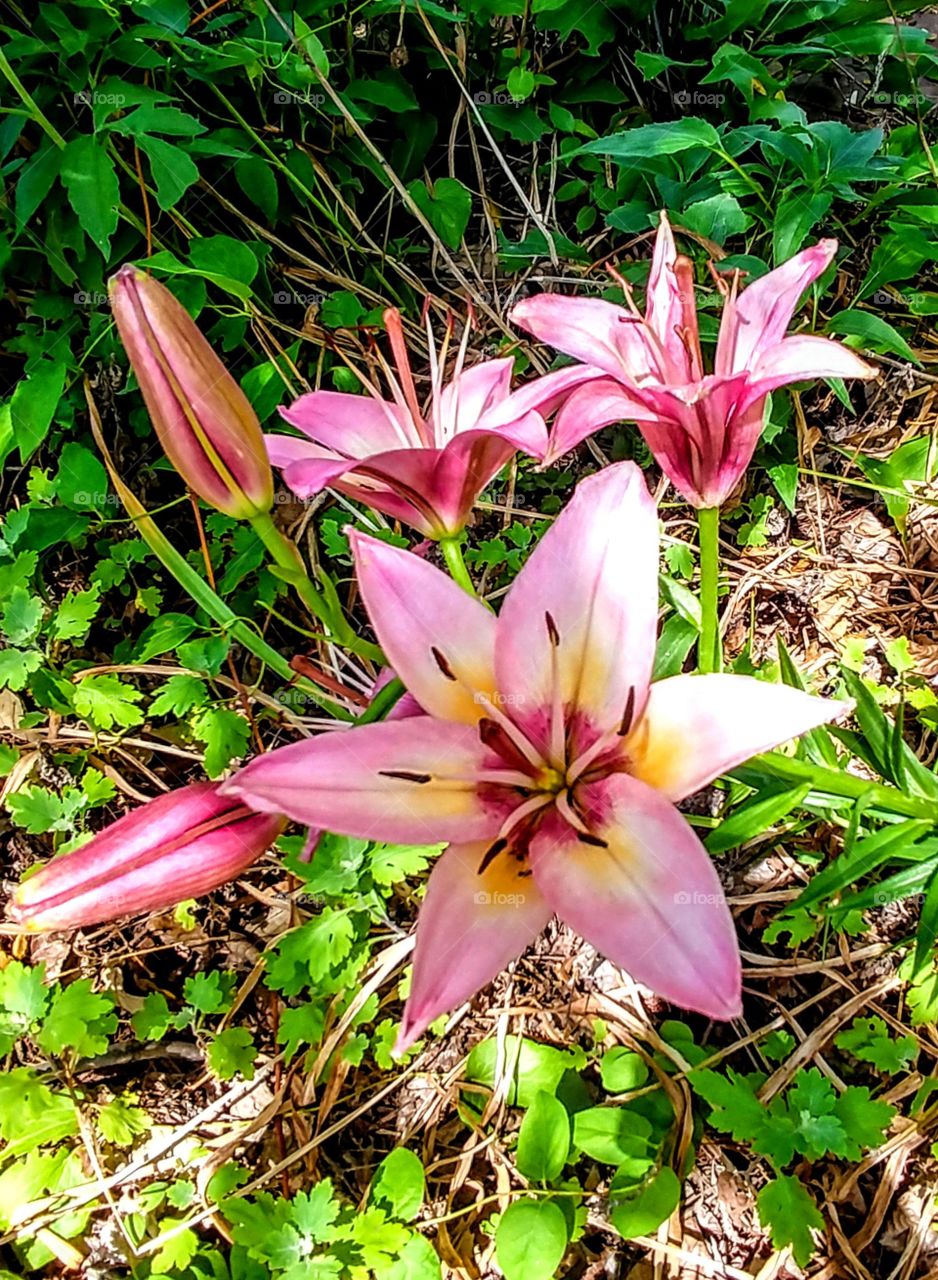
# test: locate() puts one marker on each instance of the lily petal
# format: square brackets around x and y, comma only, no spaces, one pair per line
[650,900]
[597,332]
[801,357]
[471,926]
[697,727]
[408,781]
[475,391]
[597,404]
[759,317]
[355,425]
[584,607]
[440,640]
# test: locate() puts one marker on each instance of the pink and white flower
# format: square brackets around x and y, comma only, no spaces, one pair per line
[424,466]
[545,758]
[702,428]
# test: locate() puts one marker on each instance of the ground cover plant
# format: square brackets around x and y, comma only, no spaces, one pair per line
[468,639]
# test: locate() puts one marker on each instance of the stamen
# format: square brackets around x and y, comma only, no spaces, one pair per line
[568,813]
[524,811]
[688,331]
[451,425]
[395,328]
[558,729]
[510,731]
[441,662]
[491,853]
[627,290]
[625,723]
[405,776]
[596,841]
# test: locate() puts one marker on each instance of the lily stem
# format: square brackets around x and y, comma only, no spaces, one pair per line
[709,647]
[452,554]
[290,567]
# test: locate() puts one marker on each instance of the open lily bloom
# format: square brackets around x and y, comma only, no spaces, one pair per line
[546,760]
[702,428]
[423,467]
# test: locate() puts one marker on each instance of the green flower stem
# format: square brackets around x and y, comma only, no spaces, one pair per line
[834,783]
[452,554]
[709,648]
[283,552]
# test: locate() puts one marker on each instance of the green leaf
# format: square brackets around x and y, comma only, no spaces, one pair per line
[74,616]
[655,140]
[31,1115]
[398,1185]
[90,179]
[864,1119]
[204,992]
[612,1135]
[120,1121]
[22,614]
[868,1039]
[178,1250]
[225,734]
[105,701]
[531,1239]
[642,1214]
[179,695]
[718,217]
[544,1139]
[754,818]
[790,1214]
[873,333]
[78,1019]
[172,170]
[164,634]
[622,1070]
[303,1025]
[33,406]
[152,1020]
[16,666]
[232,1052]
[81,482]
[446,207]
[391,863]
[314,1212]
[532,1066]
[797,213]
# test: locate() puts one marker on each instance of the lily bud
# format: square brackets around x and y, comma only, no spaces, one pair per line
[179,846]
[204,420]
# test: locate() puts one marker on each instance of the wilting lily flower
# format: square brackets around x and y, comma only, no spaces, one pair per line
[546,760]
[178,846]
[702,428]
[204,420]
[425,467]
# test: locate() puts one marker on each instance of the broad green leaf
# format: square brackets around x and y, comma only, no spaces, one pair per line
[872,333]
[754,818]
[33,406]
[622,1070]
[612,1135]
[655,140]
[530,1240]
[790,1214]
[641,1214]
[398,1185]
[90,180]
[173,170]
[544,1139]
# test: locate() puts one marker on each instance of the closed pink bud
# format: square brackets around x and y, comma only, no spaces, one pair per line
[204,420]
[179,846]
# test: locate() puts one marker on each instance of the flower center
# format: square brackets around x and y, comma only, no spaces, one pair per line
[549,779]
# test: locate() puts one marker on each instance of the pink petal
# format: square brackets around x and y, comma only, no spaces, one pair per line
[666,308]
[475,392]
[470,927]
[595,405]
[438,638]
[597,332]
[650,901]
[592,581]
[698,727]
[760,316]
[541,396]
[344,781]
[353,425]
[799,358]
[399,483]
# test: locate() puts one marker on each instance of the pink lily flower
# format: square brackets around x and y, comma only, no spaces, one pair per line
[546,759]
[425,468]
[702,428]
[180,845]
